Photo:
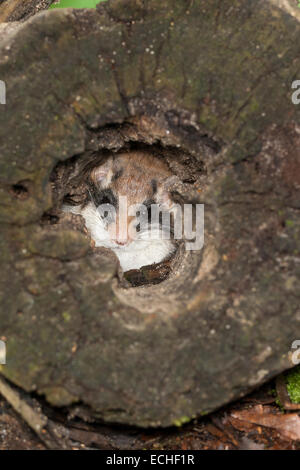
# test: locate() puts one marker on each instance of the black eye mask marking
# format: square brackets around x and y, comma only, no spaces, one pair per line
[154,186]
[117,174]
[103,196]
[148,204]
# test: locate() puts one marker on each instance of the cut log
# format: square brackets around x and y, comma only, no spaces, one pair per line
[208,85]
[17,10]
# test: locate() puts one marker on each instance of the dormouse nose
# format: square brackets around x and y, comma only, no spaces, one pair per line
[121,242]
[122,237]
[122,231]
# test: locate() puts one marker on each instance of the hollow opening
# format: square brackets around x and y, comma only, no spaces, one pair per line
[120,160]
[20,190]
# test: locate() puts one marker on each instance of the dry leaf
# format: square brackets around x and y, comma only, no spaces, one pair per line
[288,425]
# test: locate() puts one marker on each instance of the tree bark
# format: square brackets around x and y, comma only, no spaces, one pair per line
[17,10]
[208,85]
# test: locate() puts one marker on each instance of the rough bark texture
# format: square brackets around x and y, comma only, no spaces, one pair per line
[208,80]
[17,10]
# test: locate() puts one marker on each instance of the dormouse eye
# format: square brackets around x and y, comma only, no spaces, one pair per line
[104,196]
[105,200]
[107,213]
[107,197]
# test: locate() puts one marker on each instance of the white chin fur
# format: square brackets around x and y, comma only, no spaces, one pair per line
[138,253]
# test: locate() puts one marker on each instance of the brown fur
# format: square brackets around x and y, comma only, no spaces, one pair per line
[137,172]
[139,176]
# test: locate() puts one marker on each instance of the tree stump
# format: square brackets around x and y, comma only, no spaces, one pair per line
[207,85]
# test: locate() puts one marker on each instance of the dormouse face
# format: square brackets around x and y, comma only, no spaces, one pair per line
[140,178]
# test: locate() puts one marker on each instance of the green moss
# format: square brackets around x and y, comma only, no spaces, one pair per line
[66,316]
[180,421]
[75,4]
[279,404]
[293,384]
[273,393]
[59,396]
[289,223]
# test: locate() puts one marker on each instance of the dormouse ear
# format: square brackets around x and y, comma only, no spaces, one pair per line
[163,192]
[102,175]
